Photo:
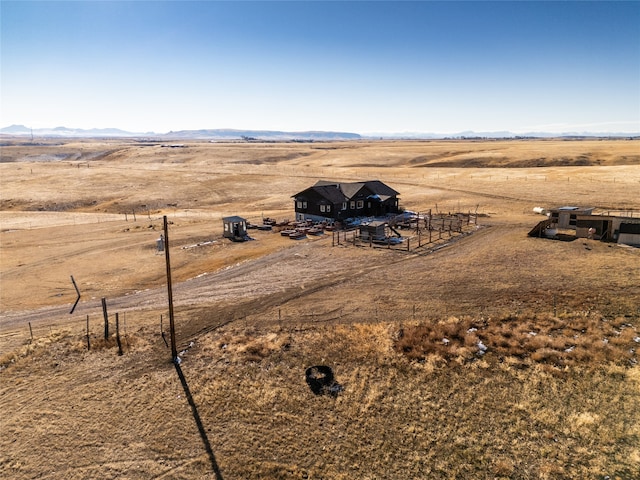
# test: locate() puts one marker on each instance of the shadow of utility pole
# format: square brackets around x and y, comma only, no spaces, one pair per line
[196,416]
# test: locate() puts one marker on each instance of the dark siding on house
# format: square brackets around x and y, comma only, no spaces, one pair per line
[311,202]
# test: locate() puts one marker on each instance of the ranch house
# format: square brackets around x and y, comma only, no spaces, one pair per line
[333,201]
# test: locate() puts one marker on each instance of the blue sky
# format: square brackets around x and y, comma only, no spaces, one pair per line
[360,66]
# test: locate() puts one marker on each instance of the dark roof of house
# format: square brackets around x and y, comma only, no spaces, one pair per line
[330,192]
[339,192]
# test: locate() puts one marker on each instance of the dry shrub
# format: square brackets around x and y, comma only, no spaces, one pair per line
[33,348]
[453,338]
[546,355]
[554,341]
[103,343]
[252,347]
[503,467]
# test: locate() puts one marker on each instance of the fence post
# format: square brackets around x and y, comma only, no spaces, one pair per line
[118,335]
[124,320]
[30,332]
[106,318]
[88,341]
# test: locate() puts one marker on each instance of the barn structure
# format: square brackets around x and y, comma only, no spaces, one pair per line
[335,201]
[235,228]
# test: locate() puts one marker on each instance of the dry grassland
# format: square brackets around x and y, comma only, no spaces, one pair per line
[493,355]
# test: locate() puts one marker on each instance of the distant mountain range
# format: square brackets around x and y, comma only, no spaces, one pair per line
[272,135]
[469,134]
[65,132]
[209,134]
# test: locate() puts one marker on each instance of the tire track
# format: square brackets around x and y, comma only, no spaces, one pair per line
[276,279]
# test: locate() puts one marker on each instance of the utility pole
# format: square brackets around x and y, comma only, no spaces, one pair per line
[174,351]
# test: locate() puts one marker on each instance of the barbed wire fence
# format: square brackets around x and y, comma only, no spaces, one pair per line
[291,317]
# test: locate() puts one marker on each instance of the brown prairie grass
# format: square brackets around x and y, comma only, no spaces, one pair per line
[546,339]
[400,415]
[33,347]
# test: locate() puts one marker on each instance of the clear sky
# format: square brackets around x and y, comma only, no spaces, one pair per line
[363,67]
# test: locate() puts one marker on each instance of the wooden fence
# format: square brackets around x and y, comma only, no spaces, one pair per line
[422,231]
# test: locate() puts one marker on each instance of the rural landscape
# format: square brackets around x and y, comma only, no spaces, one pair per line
[478,352]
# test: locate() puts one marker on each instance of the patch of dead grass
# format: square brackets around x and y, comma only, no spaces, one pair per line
[558,342]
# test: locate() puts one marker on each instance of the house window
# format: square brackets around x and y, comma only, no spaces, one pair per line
[353,205]
[344,205]
[323,208]
[360,203]
[302,205]
[328,208]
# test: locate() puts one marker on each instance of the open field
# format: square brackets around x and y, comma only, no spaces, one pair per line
[556,395]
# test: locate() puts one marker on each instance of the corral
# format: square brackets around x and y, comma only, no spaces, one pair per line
[494,356]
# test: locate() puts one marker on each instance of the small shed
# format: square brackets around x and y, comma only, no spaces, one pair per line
[235,228]
[374,231]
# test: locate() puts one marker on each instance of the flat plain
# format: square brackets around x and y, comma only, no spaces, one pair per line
[556,393]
